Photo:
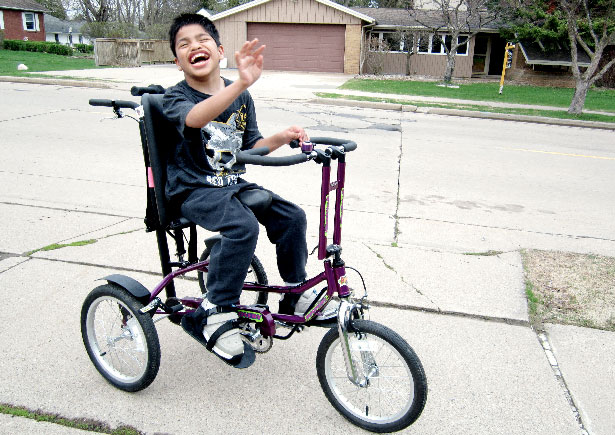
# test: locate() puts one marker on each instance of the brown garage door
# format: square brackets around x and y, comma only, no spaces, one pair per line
[301,47]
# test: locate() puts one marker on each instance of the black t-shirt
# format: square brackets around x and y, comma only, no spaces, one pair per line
[205,157]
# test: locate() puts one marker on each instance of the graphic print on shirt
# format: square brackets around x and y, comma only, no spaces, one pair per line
[225,140]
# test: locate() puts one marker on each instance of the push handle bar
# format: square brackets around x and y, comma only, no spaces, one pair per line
[137,91]
[347,144]
[121,104]
[245,157]
[249,156]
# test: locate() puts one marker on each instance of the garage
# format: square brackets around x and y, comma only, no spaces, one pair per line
[301,47]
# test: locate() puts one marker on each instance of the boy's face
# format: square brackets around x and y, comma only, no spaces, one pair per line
[198,55]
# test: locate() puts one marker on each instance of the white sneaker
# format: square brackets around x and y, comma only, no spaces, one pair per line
[310,296]
[228,344]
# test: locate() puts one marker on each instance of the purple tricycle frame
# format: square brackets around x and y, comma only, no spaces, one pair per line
[334,273]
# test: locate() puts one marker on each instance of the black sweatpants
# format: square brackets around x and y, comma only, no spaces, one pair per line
[218,209]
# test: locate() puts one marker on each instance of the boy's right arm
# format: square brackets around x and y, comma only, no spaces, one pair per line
[250,66]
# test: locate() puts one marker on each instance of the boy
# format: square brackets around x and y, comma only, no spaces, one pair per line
[216,118]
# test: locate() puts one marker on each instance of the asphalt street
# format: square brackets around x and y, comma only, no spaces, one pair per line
[423,191]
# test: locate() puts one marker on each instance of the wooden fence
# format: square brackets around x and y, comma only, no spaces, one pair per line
[131,52]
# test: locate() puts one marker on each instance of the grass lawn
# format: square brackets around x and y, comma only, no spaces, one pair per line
[477,108]
[597,99]
[40,62]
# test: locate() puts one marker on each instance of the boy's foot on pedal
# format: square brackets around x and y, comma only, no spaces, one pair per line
[217,329]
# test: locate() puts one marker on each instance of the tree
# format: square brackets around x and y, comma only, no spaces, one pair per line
[580,26]
[455,23]
[55,8]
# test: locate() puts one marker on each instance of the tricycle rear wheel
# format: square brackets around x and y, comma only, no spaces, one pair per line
[121,342]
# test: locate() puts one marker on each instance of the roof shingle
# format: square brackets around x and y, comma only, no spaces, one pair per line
[22,5]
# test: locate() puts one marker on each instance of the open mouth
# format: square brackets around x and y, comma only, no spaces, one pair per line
[199,58]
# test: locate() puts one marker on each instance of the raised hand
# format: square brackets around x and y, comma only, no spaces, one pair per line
[249,62]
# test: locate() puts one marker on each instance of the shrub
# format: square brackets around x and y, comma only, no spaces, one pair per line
[37,46]
[1,38]
[84,48]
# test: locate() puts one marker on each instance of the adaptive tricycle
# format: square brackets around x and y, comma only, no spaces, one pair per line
[367,371]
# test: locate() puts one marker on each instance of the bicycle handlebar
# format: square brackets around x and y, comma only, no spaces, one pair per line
[245,157]
[122,104]
[347,144]
[257,156]
[137,91]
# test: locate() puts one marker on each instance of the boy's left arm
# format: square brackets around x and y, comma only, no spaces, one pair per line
[282,138]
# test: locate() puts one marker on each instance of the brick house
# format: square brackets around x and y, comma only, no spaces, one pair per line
[22,19]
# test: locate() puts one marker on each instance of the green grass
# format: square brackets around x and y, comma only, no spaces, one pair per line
[40,62]
[55,246]
[532,300]
[83,424]
[477,108]
[597,99]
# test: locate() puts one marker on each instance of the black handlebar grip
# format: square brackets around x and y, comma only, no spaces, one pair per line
[99,102]
[294,143]
[122,104]
[151,89]
[271,161]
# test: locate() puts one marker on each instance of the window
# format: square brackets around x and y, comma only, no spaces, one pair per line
[393,42]
[30,21]
[424,44]
[1,21]
[439,44]
[57,37]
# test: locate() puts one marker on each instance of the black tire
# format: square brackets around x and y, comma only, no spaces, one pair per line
[122,343]
[256,274]
[396,389]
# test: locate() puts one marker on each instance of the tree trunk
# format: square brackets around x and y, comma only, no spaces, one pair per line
[450,67]
[580,92]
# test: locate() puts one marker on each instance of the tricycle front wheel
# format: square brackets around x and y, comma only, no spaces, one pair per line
[393,387]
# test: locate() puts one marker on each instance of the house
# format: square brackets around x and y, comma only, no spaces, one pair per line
[402,44]
[22,19]
[321,35]
[301,35]
[64,32]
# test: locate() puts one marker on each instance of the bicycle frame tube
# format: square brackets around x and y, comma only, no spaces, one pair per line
[326,187]
[339,202]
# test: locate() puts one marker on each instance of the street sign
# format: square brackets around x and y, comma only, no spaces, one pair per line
[508,55]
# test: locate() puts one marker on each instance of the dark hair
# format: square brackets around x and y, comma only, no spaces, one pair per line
[186,19]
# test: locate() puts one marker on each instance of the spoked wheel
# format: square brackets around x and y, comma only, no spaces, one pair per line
[256,273]
[121,342]
[393,388]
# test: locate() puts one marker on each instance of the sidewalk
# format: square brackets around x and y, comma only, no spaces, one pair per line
[465,316]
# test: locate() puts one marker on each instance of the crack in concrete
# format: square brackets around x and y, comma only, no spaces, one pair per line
[34,115]
[70,178]
[46,207]
[398,198]
[409,284]
[520,230]
[546,347]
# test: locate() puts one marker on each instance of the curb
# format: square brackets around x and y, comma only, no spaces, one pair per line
[465,113]
[52,81]
[355,103]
